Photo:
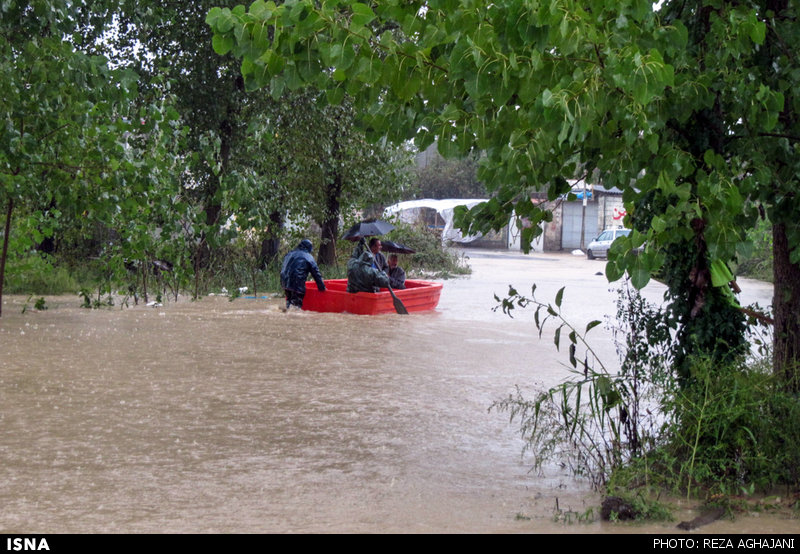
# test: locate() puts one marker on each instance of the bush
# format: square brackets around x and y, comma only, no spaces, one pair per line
[431,259]
[231,267]
[35,275]
[733,430]
[725,429]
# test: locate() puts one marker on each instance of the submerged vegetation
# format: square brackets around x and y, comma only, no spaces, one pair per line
[233,267]
[723,431]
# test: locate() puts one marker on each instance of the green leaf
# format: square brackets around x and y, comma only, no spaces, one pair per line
[335,96]
[275,64]
[213,16]
[260,10]
[222,44]
[221,20]
[559,296]
[758,32]
[362,14]
[297,11]
[640,275]
[591,325]
[613,271]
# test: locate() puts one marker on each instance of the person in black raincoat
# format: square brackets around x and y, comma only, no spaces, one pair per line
[295,269]
[361,275]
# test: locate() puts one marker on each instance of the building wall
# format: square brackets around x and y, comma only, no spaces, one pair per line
[552,231]
[576,219]
[611,211]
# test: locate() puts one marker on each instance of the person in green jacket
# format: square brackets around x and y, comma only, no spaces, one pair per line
[361,275]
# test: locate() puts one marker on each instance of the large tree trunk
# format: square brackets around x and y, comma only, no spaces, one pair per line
[7,232]
[212,205]
[786,304]
[327,247]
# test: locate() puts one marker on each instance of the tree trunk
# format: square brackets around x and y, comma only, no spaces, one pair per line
[327,247]
[211,205]
[5,250]
[202,253]
[786,303]
[271,245]
[330,227]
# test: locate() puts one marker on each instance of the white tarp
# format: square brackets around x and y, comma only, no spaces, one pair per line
[409,212]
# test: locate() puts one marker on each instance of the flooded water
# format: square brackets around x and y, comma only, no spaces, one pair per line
[222,417]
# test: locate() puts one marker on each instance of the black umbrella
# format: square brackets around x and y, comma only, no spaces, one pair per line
[368,229]
[389,246]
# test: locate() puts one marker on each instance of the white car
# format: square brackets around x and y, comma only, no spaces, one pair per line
[598,248]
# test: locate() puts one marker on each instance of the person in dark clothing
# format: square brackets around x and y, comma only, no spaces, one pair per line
[295,269]
[362,275]
[379,260]
[397,275]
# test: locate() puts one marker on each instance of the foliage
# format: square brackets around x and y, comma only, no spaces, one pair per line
[319,166]
[235,266]
[91,302]
[596,420]
[441,178]
[569,516]
[431,259]
[165,193]
[76,145]
[40,304]
[694,100]
[707,319]
[263,159]
[758,264]
[538,89]
[736,433]
[725,429]
[35,275]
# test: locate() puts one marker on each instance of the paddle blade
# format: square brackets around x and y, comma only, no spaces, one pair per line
[398,304]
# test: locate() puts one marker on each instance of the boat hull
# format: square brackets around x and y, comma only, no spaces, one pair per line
[418,296]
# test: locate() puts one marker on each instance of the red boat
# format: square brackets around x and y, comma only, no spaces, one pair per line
[418,296]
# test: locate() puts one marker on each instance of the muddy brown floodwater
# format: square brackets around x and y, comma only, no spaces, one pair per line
[221,417]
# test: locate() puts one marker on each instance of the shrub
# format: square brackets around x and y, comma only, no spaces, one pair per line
[727,428]
[431,258]
[35,275]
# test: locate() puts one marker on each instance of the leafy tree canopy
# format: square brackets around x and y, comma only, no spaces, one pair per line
[690,106]
[548,89]
[74,144]
[441,178]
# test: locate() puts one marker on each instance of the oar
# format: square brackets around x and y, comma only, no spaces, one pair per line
[398,305]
